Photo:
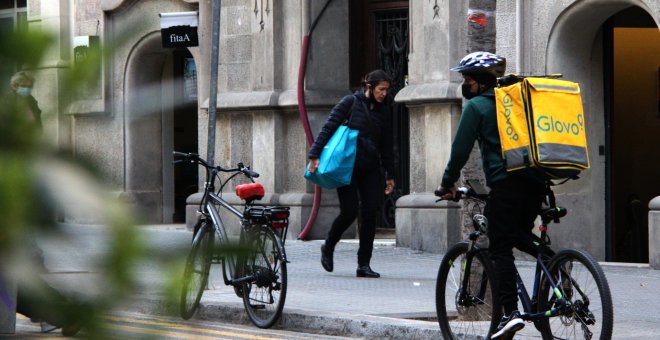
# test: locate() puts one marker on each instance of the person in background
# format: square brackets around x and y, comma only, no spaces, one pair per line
[22,101]
[515,198]
[371,115]
[20,131]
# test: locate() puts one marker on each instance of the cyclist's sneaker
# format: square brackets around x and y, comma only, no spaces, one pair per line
[46,327]
[509,325]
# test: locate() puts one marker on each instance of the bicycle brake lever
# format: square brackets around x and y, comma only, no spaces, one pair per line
[251,173]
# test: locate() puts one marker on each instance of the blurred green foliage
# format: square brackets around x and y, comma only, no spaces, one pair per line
[30,200]
[38,180]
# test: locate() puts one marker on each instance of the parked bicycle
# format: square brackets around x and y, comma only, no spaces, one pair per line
[255,265]
[570,297]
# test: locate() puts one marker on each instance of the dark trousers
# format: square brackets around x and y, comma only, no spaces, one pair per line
[512,207]
[362,195]
[41,302]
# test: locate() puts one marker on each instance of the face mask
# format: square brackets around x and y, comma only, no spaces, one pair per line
[465,90]
[23,91]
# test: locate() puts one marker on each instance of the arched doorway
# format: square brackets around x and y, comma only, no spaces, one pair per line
[632,62]
[607,61]
[160,116]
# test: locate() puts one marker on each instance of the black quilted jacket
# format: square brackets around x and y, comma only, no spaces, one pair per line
[374,146]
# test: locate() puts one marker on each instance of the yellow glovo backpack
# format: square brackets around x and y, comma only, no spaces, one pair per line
[541,125]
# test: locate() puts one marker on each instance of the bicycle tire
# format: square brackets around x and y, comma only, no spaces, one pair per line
[590,305]
[196,272]
[388,211]
[479,314]
[264,295]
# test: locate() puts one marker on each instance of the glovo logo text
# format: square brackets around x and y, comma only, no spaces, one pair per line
[550,124]
[506,103]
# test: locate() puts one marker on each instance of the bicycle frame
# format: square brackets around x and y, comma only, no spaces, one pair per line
[469,256]
[219,227]
[528,302]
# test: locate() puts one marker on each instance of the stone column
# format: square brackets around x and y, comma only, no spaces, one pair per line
[654,233]
[437,43]
[53,17]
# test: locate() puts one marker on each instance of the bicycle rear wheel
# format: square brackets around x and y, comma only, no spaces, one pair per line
[588,313]
[196,273]
[265,293]
[475,313]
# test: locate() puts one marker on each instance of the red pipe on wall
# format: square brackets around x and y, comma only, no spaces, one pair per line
[304,119]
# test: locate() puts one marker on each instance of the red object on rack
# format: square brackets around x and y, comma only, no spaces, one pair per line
[250,191]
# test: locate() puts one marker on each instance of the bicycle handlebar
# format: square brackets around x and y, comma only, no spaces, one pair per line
[194,158]
[460,192]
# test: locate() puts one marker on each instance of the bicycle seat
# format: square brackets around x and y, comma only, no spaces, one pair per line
[250,191]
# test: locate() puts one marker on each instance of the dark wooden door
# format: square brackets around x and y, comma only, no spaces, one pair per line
[379,31]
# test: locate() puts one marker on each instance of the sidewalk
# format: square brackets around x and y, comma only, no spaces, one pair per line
[399,305]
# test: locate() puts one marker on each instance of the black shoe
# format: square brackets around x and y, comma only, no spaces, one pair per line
[509,325]
[326,259]
[72,328]
[365,271]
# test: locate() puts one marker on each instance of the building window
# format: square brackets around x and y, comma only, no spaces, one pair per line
[13,17]
[13,14]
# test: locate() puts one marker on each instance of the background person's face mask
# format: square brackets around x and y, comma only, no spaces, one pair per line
[23,91]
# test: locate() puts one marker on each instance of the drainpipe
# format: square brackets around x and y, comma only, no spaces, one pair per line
[304,119]
[216,5]
[519,36]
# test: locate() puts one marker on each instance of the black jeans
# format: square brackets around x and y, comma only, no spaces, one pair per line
[362,195]
[512,207]
[36,299]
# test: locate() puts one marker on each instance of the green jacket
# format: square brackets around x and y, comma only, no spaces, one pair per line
[478,123]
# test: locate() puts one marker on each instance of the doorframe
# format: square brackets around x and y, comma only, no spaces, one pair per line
[608,91]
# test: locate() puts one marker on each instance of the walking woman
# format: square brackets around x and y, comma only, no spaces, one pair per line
[370,114]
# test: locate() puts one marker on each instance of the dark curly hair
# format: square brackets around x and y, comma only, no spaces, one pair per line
[374,77]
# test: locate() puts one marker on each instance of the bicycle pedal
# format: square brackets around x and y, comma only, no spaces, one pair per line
[258,306]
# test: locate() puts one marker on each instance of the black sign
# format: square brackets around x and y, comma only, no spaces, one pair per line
[179,36]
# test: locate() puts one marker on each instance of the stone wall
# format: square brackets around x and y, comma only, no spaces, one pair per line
[654,233]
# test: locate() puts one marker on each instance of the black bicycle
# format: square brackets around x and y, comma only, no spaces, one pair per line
[570,298]
[256,265]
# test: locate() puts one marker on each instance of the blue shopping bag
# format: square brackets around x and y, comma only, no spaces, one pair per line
[337,160]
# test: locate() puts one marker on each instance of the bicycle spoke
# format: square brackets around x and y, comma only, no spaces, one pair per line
[465,312]
[588,312]
[196,272]
[264,296]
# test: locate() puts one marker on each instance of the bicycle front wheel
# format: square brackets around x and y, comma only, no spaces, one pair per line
[264,294]
[464,294]
[588,312]
[196,273]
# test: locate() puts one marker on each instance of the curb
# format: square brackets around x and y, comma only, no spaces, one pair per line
[306,321]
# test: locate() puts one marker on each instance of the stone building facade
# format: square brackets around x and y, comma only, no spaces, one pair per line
[150,103]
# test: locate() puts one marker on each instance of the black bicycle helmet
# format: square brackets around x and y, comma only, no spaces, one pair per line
[481,63]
